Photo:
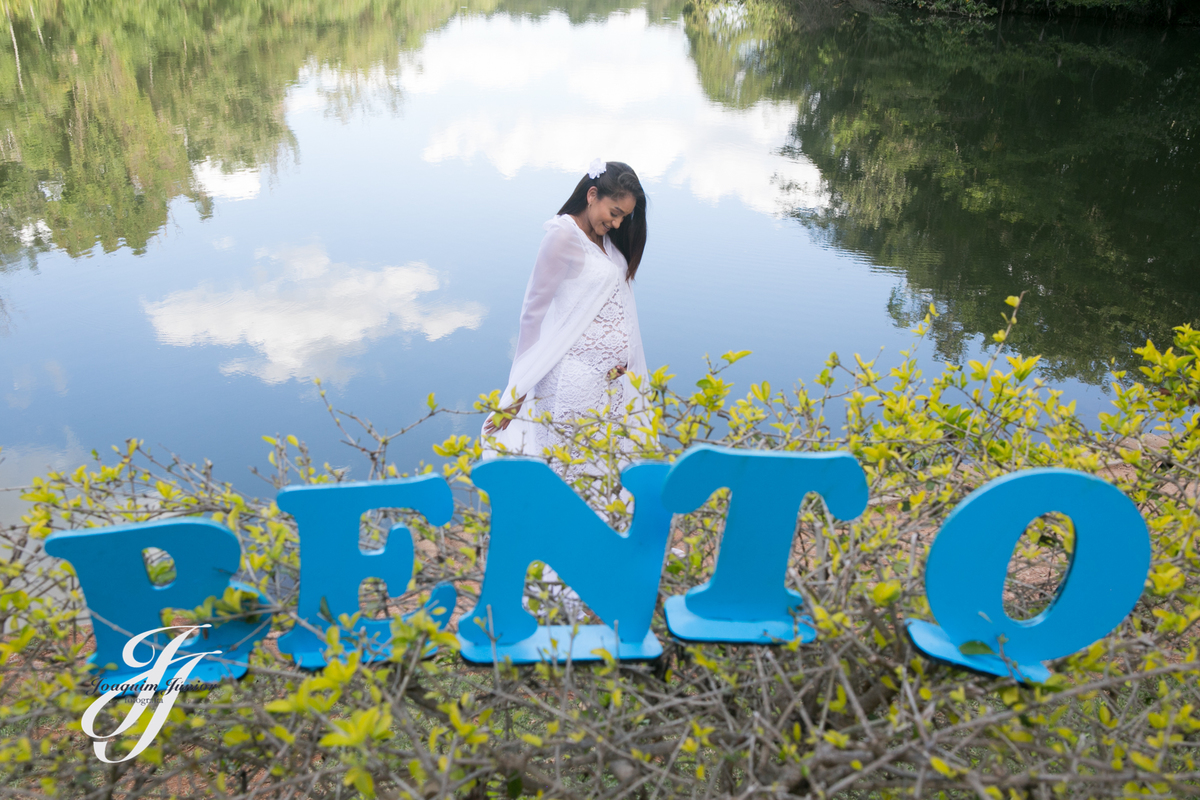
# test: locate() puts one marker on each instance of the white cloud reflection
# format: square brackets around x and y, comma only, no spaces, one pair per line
[546,94]
[215,181]
[311,314]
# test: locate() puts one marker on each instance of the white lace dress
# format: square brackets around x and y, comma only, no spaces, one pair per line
[579,383]
[578,322]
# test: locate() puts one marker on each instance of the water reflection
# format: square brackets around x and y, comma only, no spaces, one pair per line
[19,464]
[979,161]
[310,315]
[217,182]
[27,377]
[641,100]
[199,213]
[112,112]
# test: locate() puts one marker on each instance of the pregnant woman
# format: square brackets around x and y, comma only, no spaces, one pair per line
[579,339]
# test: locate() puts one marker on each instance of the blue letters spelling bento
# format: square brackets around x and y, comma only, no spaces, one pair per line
[535,516]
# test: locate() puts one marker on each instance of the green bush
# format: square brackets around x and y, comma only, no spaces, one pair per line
[855,714]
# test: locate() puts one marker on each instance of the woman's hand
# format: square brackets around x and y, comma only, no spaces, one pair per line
[490,427]
[615,373]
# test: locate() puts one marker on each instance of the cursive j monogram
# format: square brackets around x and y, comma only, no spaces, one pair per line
[150,682]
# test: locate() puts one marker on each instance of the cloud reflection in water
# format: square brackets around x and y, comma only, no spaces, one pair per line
[215,181]
[305,320]
[550,107]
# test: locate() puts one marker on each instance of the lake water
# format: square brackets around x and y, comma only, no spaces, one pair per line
[202,214]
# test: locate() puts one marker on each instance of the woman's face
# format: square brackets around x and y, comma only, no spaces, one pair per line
[606,213]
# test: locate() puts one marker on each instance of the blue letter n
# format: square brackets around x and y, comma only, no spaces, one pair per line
[537,517]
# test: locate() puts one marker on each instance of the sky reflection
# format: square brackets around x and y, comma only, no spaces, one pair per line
[529,101]
[377,231]
[313,313]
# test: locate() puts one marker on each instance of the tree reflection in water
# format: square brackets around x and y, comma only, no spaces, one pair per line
[977,160]
[981,160]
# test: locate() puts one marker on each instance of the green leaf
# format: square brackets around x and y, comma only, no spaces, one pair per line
[236,735]
[735,356]
[942,767]
[362,781]
[975,648]
[885,592]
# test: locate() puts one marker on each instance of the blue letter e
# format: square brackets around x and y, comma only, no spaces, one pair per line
[332,566]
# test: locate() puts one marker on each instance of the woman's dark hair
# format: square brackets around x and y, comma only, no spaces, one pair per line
[617,180]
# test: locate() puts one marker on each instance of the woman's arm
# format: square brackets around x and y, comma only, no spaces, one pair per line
[559,258]
[490,425]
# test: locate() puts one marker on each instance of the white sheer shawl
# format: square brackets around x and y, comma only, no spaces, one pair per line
[572,279]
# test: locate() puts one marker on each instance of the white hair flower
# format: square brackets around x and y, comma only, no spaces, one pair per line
[596,168]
